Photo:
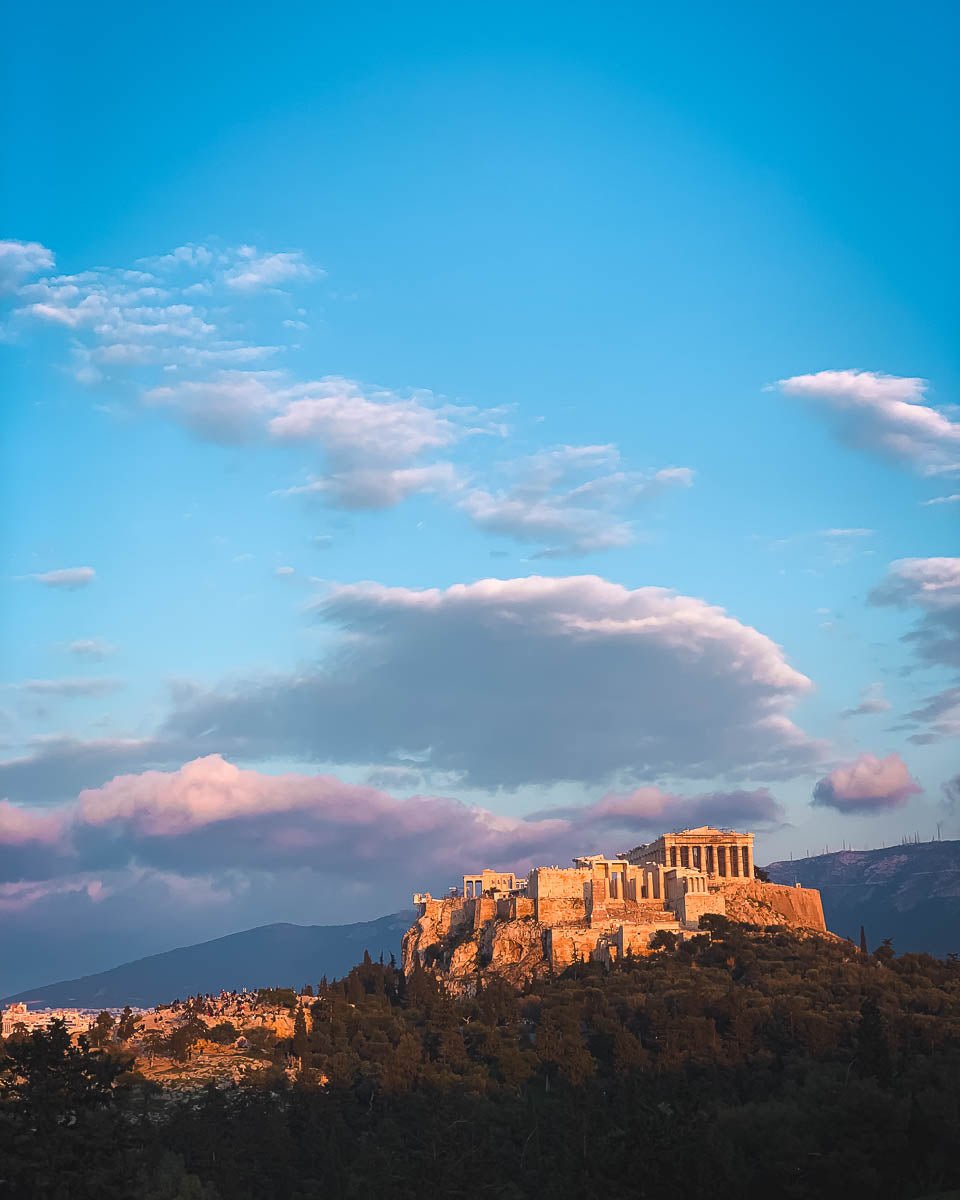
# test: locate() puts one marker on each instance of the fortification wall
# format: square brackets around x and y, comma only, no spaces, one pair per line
[694,905]
[561,911]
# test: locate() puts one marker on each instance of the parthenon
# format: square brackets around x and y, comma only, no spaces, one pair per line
[716,852]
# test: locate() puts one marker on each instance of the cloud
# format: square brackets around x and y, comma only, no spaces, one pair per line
[256,270]
[649,810]
[65,578]
[885,414]
[211,816]
[953,499]
[58,765]
[520,681]
[175,312]
[371,438]
[21,260]
[940,714]
[281,571]
[377,487]
[69,688]
[569,499]
[868,784]
[951,794]
[872,700]
[933,586]
[92,648]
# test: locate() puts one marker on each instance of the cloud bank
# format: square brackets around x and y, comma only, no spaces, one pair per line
[520,681]
[210,816]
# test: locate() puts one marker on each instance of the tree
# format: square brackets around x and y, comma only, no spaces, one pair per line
[101,1030]
[863,941]
[62,1125]
[761,874]
[301,1039]
[127,1025]
[885,952]
[664,939]
[181,1042]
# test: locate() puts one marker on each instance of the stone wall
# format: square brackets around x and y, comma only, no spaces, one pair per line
[692,906]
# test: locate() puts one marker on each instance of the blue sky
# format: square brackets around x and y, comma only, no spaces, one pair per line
[661,298]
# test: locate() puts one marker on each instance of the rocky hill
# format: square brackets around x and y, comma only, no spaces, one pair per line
[908,893]
[290,955]
[465,941]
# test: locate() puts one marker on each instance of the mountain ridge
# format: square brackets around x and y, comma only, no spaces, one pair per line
[281,952]
[908,893]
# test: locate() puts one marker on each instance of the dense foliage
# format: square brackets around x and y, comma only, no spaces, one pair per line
[739,1063]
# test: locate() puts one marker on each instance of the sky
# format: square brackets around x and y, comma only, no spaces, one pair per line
[441,437]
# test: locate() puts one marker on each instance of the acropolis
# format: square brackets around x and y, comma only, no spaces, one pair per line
[599,908]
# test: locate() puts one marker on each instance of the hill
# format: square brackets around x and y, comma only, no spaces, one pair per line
[908,893]
[271,954]
[754,1064]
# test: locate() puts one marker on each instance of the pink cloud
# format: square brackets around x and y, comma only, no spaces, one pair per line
[18,826]
[868,784]
[210,817]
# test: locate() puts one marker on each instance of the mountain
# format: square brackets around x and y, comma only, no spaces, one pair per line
[283,955]
[908,893]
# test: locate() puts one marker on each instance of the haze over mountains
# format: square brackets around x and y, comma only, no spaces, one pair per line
[908,893]
[271,954]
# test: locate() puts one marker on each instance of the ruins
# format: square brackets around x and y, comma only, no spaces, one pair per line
[599,909]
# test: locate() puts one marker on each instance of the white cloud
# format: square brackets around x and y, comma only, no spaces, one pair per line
[21,260]
[166,316]
[370,438]
[570,499]
[884,413]
[952,499]
[256,270]
[94,648]
[377,487]
[66,578]
[69,688]
[523,681]
[872,701]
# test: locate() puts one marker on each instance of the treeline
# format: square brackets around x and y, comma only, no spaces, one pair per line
[738,1063]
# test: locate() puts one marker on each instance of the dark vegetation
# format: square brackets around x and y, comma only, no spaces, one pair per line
[736,1064]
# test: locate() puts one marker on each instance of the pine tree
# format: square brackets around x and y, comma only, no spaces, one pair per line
[301,1038]
[863,941]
